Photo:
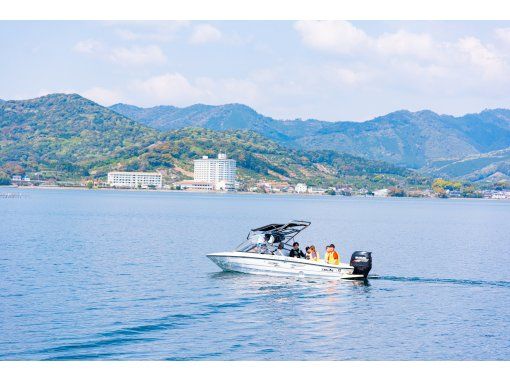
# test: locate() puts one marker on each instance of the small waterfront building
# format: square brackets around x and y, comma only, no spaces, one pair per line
[301,188]
[381,193]
[273,186]
[135,180]
[19,180]
[225,186]
[344,191]
[316,190]
[194,185]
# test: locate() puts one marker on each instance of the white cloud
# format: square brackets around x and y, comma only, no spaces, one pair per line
[170,88]
[503,34]
[88,46]
[204,33]
[405,43]
[347,76]
[332,36]
[103,95]
[176,89]
[390,66]
[393,54]
[162,31]
[127,56]
[342,37]
[138,55]
[481,56]
[229,90]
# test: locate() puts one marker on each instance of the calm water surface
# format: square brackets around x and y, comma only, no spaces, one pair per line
[123,275]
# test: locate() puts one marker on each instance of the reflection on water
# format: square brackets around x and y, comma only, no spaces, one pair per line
[123,275]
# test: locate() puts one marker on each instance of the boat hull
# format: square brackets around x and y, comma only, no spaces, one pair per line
[255,263]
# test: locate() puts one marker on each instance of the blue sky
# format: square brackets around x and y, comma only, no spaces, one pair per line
[331,70]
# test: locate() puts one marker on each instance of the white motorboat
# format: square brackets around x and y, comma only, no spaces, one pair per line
[258,255]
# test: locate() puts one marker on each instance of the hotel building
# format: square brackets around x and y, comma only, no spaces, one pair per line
[219,172]
[134,180]
[211,174]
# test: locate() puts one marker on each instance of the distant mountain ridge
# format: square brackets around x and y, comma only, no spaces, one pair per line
[410,139]
[219,118]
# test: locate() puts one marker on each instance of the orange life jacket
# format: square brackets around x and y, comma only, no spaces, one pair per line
[332,258]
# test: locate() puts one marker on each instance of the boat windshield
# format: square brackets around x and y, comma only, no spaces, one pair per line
[254,247]
[247,246]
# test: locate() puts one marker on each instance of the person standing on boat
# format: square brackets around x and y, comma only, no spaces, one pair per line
[296,252]
[332,256]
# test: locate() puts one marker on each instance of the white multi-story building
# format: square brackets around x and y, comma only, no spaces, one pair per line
[220,172]
[133,180]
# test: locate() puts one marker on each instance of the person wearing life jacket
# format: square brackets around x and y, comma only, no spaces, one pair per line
[332,256]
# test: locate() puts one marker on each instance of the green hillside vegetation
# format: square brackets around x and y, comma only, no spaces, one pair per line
[69,137]
[441,187]
[492,167]
[66,133]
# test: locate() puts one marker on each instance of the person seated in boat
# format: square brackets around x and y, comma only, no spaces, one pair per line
[332,256]
[264,243]
[279,251]
[260,241]
[296,252]
[311,254]
[269,243]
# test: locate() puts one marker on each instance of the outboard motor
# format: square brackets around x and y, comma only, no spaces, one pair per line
[362,262]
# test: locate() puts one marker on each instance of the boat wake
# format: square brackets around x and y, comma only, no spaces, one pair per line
[454,281]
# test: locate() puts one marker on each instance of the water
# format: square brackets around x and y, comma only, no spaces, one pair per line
[122,275]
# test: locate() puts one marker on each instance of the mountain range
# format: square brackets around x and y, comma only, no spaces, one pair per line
[65,137]
[409,139]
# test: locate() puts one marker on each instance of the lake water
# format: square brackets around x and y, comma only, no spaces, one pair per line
[123,275]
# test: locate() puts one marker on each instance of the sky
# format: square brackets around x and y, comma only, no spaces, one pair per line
[327,70]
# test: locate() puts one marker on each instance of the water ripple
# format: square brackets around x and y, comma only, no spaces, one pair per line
[455,281]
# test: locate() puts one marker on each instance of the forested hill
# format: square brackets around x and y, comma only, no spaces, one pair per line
[68,136]
[410,139]
[493,166]
[67,133]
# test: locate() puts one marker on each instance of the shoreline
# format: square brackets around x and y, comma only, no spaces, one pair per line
[219,193]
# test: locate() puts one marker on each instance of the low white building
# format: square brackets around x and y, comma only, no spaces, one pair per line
[18,178]
[316,190]
[135,180]
[225,186]
[381,193]
[301,188]
[194,185]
